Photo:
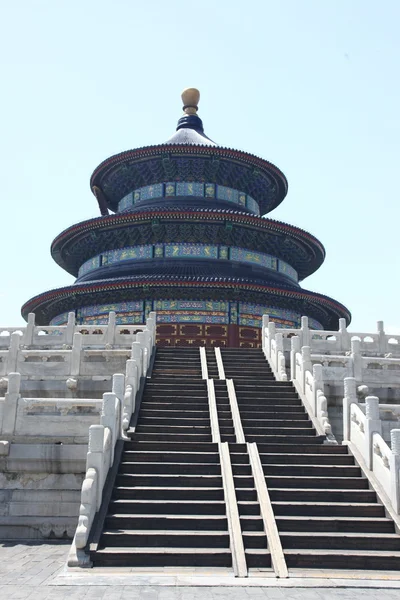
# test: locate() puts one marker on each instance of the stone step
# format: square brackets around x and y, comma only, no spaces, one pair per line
[304,448]
[167,421]
[162,557]
[311,470]
[326,524]
[272,411]
[254,539]
[264,421]
[170,468]
[171,446]
[337,540]
[142,538]
[342,559]
[171,414]
[281,439]
[163,507]
[166,523]
[167,493]
[170,437]
[298,432]
[173,429]
[321,495]
[341,483]
[156,480]
[307,459]
[170,457]
[328,509]
[258,558]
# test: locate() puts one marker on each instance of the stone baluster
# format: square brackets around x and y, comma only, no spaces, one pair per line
[151,326]
[29,330]
[137,355]
[108,419]
[76,354]
[111,329]
[131,388]
[69,336]
[271,335]
[264,329]
[11,404]
[306,365]
[118,388]
[373,424]
[382,343]
[94,458]
[294,349]
[142,341]
[350,397]
[280,358]
[318,386]
[305,332]
[356,368]
[395,469]
[13,351]
[344,336]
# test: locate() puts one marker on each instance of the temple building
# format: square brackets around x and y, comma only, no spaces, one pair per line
[182,232]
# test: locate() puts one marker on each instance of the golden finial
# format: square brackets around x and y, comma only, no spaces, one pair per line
[190,98]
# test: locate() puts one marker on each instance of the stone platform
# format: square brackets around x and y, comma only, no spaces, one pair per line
[36,571]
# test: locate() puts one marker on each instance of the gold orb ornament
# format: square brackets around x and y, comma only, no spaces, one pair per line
[190,98]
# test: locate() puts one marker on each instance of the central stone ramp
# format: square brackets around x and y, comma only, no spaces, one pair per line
[168,506]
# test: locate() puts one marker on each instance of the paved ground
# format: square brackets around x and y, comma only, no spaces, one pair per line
[36,571]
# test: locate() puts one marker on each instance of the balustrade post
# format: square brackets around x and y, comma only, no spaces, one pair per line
[13,351]
[318,386]
[294,349]
[356,360]
[271,336]
[306,365]
[94,458]
[76,354]
[111,328]
[11,404]
[264,328]
[373,424]
[151,326]
[395,469]
[108,419]
[305,332]
[137,355]
[140,337]
[69,336]
[344,336]
[350,397]
[29,330]
[132,382]
[382,343]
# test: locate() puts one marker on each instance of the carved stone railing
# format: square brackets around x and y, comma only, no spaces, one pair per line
[96,336]
[334,342]
[70,416]
[362,432]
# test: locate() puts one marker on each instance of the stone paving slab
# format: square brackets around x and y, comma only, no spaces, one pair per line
[37,571]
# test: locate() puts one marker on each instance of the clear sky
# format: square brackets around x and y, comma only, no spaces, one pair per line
[310,85]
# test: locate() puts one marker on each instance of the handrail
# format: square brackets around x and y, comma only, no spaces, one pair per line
[232,513]
[203,362]
[267,514]
[220,364]
[212,406]
[237,421]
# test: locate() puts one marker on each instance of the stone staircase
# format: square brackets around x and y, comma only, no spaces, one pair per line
[169,505]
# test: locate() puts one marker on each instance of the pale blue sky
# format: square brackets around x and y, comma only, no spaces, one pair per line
[311,85]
